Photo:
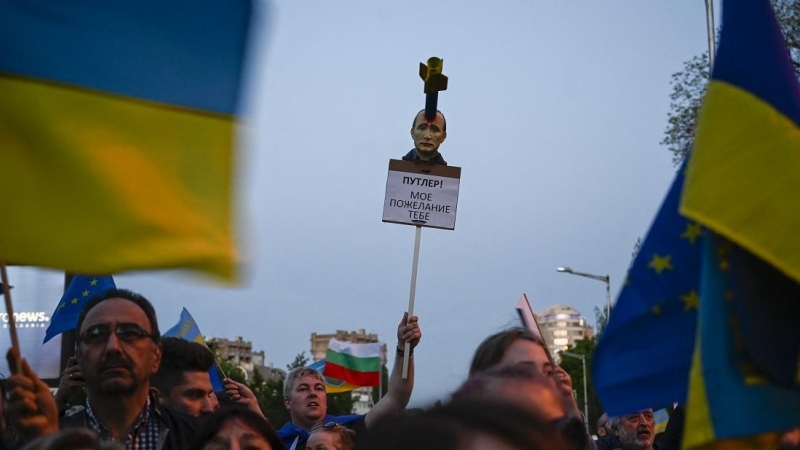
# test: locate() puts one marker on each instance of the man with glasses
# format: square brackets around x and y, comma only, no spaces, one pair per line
[118,350]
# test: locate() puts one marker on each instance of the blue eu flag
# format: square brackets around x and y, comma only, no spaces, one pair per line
[644,354]
[80,290]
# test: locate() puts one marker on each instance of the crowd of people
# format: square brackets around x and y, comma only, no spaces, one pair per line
[143,391]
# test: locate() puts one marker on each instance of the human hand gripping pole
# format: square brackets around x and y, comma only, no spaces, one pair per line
[29,405]
[408,335]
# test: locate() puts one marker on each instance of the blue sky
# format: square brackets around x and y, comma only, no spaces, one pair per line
[555,112]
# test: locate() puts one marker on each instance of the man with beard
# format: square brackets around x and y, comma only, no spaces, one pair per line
[428,135]
[118,350]
[636,430]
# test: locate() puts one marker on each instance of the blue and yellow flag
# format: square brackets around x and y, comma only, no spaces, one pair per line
[80,290]
[742,183]
[729,400]
[188,330]
[117,129]
[743,178]
[644,354]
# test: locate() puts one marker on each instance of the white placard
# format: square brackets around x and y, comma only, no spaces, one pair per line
[421,194]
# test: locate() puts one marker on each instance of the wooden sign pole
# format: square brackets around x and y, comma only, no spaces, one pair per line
[411,295]
[12,324]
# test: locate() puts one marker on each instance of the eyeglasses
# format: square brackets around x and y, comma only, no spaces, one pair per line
[333,426]
[126,332]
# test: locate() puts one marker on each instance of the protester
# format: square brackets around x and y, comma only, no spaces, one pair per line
[472,424]
[520,346]
[239,394]
[183,379]
[29,407]
[610,441]
[70,390]
[236,428]
[305,398]
[118,350]
[519,384]
[330,436]
[512,346]
[603,428]
[636,430]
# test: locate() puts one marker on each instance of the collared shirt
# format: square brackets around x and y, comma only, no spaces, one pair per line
[144,434]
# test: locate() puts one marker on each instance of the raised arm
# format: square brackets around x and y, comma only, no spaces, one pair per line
[399,391]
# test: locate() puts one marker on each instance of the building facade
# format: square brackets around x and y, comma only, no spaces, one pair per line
[240,353]
[561,326]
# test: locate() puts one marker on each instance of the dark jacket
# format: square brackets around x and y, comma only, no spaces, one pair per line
[176,430]
[412,156]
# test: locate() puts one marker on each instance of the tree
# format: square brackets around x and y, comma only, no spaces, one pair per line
[574,367]
[376,392]
[299,361]
[689,85]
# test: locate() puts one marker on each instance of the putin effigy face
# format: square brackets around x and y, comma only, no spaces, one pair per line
[428,135]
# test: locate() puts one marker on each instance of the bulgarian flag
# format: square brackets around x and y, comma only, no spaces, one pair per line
[356,364]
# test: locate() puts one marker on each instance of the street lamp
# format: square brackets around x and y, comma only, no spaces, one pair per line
[585,397]
[605,279]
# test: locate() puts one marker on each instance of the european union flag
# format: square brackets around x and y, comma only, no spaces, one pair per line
[644,354]
[187,329]
[80,290]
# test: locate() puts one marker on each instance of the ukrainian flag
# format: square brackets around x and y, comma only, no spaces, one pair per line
[743,179]
[730,405]
[117,132]
[188,330]
[743,184]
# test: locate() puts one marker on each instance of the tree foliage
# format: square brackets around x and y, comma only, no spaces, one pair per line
[689,84]
[574,367]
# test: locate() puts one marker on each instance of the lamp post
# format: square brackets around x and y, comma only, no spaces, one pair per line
[605,279]
[585,396]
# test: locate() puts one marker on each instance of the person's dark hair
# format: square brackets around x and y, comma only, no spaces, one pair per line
[444,120]
[211,424]
[491,350]
[138,299]
[457,423]
[481,383]
[179,356]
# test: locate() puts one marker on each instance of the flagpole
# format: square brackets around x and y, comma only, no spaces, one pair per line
[12,324]
[711,39]
[412,294]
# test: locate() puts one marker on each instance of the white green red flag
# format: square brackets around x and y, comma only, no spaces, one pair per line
[356,364]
